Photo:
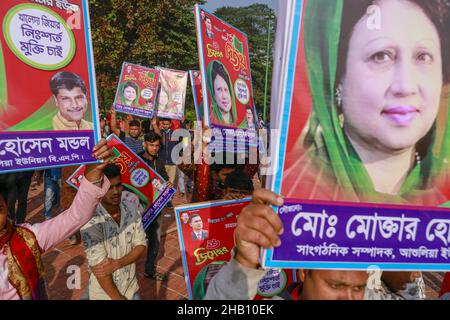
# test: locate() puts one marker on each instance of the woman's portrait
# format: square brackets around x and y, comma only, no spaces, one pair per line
[129,95]
[223,102]
[378,75]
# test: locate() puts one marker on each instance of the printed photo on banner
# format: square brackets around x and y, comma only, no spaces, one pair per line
[137,89]
[172,93]
[196,85]
[226,78]
[54,121]
[365,120]
[139,181]
[205,233]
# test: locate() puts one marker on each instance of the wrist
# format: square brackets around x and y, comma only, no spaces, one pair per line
[244,262]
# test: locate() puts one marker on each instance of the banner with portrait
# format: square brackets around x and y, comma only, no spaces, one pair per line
[137,178]
[172,93]
[48,98]
[205,232]
[363,118]
[137,89]
[196,85]
[228,106]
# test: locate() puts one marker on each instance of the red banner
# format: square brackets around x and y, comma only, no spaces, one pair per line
[206,240]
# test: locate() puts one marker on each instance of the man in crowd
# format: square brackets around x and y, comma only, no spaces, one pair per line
[152,146]
[18,185]
[114,239]
[166,149]
[259,227]
[134,139]
[24,245]
[70,95]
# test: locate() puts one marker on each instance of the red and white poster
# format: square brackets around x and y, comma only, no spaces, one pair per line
[137,89]
[48,99]
[205,233]
[226,79]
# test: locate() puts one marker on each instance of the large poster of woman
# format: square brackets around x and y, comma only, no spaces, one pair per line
[365,109]
[48,99]
[226,77]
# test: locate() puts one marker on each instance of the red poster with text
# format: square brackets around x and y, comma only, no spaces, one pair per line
[226,79]
[137,89]
[205,233]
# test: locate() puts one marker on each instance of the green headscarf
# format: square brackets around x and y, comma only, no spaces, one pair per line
[215,107]
[322,22]
[3,87]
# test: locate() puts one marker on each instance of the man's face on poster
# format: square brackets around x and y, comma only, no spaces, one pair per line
[208,25]
[72,104]
[196,224]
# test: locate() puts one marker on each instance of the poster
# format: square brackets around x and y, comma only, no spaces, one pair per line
[137,89]
[205,232]
[172,94]
[226,80]
[196,85]
[344,144]
[48,98]
[138,178]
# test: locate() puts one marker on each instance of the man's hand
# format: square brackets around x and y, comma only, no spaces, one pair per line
[258,226]
[102,151]
[105,268]
[169,184]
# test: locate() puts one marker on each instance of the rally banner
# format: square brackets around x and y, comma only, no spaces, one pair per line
[365,167]
[196,85]
[137,177]
[137,89]
[205,232]
[172,93]
[226,80]
[48,98]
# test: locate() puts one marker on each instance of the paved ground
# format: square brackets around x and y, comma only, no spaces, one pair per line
[59,260]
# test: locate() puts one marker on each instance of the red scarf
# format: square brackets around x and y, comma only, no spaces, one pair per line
[26,270]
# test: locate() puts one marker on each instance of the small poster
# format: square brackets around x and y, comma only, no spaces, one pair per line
[172,93]
[137,89]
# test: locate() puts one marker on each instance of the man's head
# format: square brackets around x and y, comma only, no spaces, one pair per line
[69,92]
[3,205]
[208,24]
[152,143]
[196,223]
[238,184]
[135,129]
[165,123]
[333,284]
[114,195]
[222,171]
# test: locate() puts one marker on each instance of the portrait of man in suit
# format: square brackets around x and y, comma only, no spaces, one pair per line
[196,223]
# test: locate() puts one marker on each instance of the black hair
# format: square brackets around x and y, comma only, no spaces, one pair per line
[239,180]
[192,217]
[130,84]
[66,80]
[152,136]
[135,123]
[217,167]
[4,192]
[438,11]
[112,171]
[165,119]
[219,70]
